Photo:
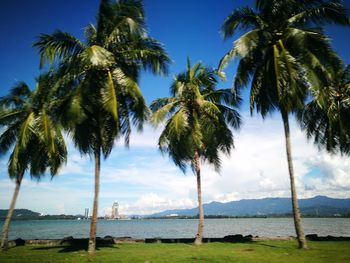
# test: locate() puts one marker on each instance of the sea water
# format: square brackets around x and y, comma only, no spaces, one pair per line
[176,228]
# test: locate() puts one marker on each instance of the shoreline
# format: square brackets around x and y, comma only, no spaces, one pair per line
[110,240]
[171,218]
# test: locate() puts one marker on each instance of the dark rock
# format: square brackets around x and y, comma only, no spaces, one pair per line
[249,237]
[128,240]
[230,238]
[153,240]
[312,237]
[67,240]
[105,241]
[20,242]
[234,238]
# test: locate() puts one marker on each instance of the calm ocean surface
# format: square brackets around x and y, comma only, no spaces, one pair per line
[176,228]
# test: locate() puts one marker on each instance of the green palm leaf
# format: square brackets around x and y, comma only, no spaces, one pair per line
[283,55]
[196,127]
[57,45]
[97,97]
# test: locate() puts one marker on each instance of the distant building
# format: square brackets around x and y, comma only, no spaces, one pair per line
[86,215]
[115,210]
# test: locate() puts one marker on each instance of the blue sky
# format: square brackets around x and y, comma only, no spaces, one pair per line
[141,179]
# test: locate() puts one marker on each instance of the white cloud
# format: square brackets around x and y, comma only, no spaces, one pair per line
[152,203]
[227,197]
[147,138]
[333,172]
[143,181]
[256,169]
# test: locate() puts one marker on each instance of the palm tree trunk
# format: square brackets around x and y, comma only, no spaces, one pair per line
[296,212]
[92,239]
[6,226]
[199,235]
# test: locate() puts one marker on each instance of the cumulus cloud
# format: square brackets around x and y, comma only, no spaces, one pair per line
[332,174]
[227,197]
[148,137]
[151,203]
[144,182]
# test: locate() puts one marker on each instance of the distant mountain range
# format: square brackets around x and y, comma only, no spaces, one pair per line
[321,206]
[25,214]
[19,213]
[316,206]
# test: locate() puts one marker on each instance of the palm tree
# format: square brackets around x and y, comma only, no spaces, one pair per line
[98,95]
[196,124]
[283,49]
[35,138]
[326,117]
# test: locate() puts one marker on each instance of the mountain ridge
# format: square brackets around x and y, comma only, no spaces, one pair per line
[316,206]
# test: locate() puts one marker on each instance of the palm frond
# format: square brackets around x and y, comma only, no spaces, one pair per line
[195,116]
[17,96]
[243,18]
[109,97]
[327,12]
[8,137]
[57,46]
[178,124]
[148,52]
[90,33]
[162,108]
[96,57]
[97,97]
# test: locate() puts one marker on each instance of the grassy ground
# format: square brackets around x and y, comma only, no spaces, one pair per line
[268,251]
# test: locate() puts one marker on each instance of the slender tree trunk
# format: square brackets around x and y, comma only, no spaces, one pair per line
[93,225]
[199,235]
[6,226]
[296,212]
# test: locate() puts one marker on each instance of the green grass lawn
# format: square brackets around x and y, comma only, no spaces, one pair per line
[257,252]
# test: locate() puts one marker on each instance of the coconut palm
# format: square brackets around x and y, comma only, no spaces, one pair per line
[98,96]
[326,117]
[35,139]
[282,50]
[197,118]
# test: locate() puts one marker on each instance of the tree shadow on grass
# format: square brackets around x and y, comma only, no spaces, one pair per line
[77,245]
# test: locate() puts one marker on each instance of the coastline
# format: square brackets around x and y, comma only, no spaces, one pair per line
[110,240]
[75,218]
[176,228]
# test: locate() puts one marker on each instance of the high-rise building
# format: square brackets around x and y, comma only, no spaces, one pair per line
[115,210]
[86,215]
